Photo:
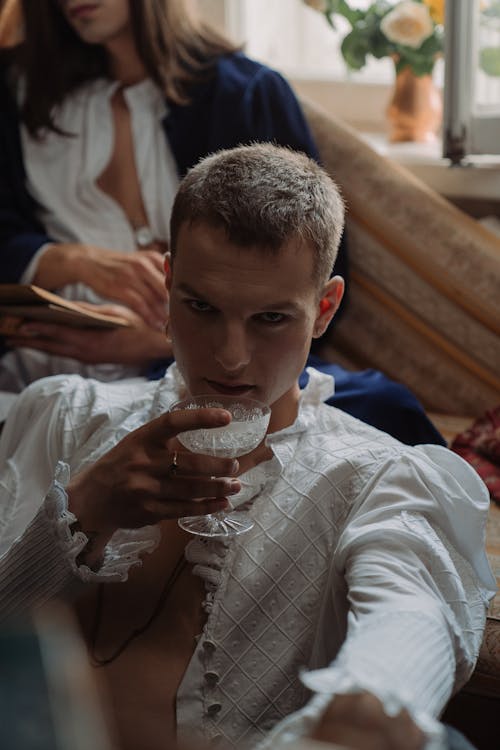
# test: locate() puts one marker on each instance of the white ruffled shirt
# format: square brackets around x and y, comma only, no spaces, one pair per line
[365,569]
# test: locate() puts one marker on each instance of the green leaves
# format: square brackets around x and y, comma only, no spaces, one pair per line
[489,56]
[421,60]
[342,8]
[366,38]
[354,49]
[489,60]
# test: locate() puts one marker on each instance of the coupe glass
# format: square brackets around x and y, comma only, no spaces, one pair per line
[248,426]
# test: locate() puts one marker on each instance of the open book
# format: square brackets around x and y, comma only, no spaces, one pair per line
[20,302]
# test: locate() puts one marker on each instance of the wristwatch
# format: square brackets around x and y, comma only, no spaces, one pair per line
[143,236]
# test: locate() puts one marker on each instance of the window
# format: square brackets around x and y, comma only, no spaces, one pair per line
[472,91]
[290,36]
[293,38]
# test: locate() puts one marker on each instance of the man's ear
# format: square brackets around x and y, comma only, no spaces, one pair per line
[328,305]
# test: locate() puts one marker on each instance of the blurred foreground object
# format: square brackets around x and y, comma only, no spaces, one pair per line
[48,699]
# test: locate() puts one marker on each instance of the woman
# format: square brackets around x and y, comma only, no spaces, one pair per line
[92,153]
[73,146]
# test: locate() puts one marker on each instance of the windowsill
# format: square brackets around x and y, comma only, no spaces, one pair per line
[479,178]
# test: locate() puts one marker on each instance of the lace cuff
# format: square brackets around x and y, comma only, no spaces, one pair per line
[122,551]
[302,722]
[404,658]
[346,683]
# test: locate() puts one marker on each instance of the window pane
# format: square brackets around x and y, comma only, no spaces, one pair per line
[487,82]
[472,86]
[290,36]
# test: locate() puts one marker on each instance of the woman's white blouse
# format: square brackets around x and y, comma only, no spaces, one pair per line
[365,569]
[78,210]
[62,174]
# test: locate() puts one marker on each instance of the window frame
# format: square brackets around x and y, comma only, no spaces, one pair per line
[465,131]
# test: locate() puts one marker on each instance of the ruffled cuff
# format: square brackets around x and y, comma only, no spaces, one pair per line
[303,722]
[347,683]
[122,552]
[403,658]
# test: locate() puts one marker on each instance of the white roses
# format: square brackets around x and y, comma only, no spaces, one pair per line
[409,23]
[409,32]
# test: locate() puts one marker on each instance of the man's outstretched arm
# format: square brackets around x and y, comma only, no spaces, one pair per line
[412,565]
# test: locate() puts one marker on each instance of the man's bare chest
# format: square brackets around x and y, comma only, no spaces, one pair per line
[141,636]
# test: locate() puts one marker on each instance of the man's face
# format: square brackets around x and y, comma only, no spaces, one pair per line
[97,21]
[242,318]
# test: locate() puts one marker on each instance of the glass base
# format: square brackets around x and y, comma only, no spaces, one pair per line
[220,525]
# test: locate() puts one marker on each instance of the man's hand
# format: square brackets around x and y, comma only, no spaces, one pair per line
[358,721]
[136,279]
[133,485]
[137,345]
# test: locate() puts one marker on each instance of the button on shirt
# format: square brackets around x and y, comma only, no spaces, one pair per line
[365,568]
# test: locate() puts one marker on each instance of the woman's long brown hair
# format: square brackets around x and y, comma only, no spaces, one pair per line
[176,48]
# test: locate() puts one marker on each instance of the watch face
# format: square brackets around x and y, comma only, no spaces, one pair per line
[144,236]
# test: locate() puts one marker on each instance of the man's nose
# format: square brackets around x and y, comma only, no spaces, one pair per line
[233,349]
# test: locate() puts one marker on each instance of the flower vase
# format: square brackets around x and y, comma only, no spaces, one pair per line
[415,111]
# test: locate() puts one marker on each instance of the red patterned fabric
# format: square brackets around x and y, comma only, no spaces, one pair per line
[480,446]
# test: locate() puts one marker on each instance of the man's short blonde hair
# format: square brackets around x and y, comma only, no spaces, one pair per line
[262,196]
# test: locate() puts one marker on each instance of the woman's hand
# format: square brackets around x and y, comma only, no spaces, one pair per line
[358,721]
[136,279]
[136,345]
[138,482]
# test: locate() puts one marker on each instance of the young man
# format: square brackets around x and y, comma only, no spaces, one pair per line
[364,579]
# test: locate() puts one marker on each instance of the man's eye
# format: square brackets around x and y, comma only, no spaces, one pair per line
[272,317]
[199,306]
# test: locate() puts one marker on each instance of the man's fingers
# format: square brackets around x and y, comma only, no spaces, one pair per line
[171,423]
[191,464]
[180,508]
[188,488]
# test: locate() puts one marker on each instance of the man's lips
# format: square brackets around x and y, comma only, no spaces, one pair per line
[231,388]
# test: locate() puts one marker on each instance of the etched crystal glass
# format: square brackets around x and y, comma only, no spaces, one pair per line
[247,429]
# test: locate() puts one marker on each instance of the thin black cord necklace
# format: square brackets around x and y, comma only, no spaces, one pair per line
[98,662]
